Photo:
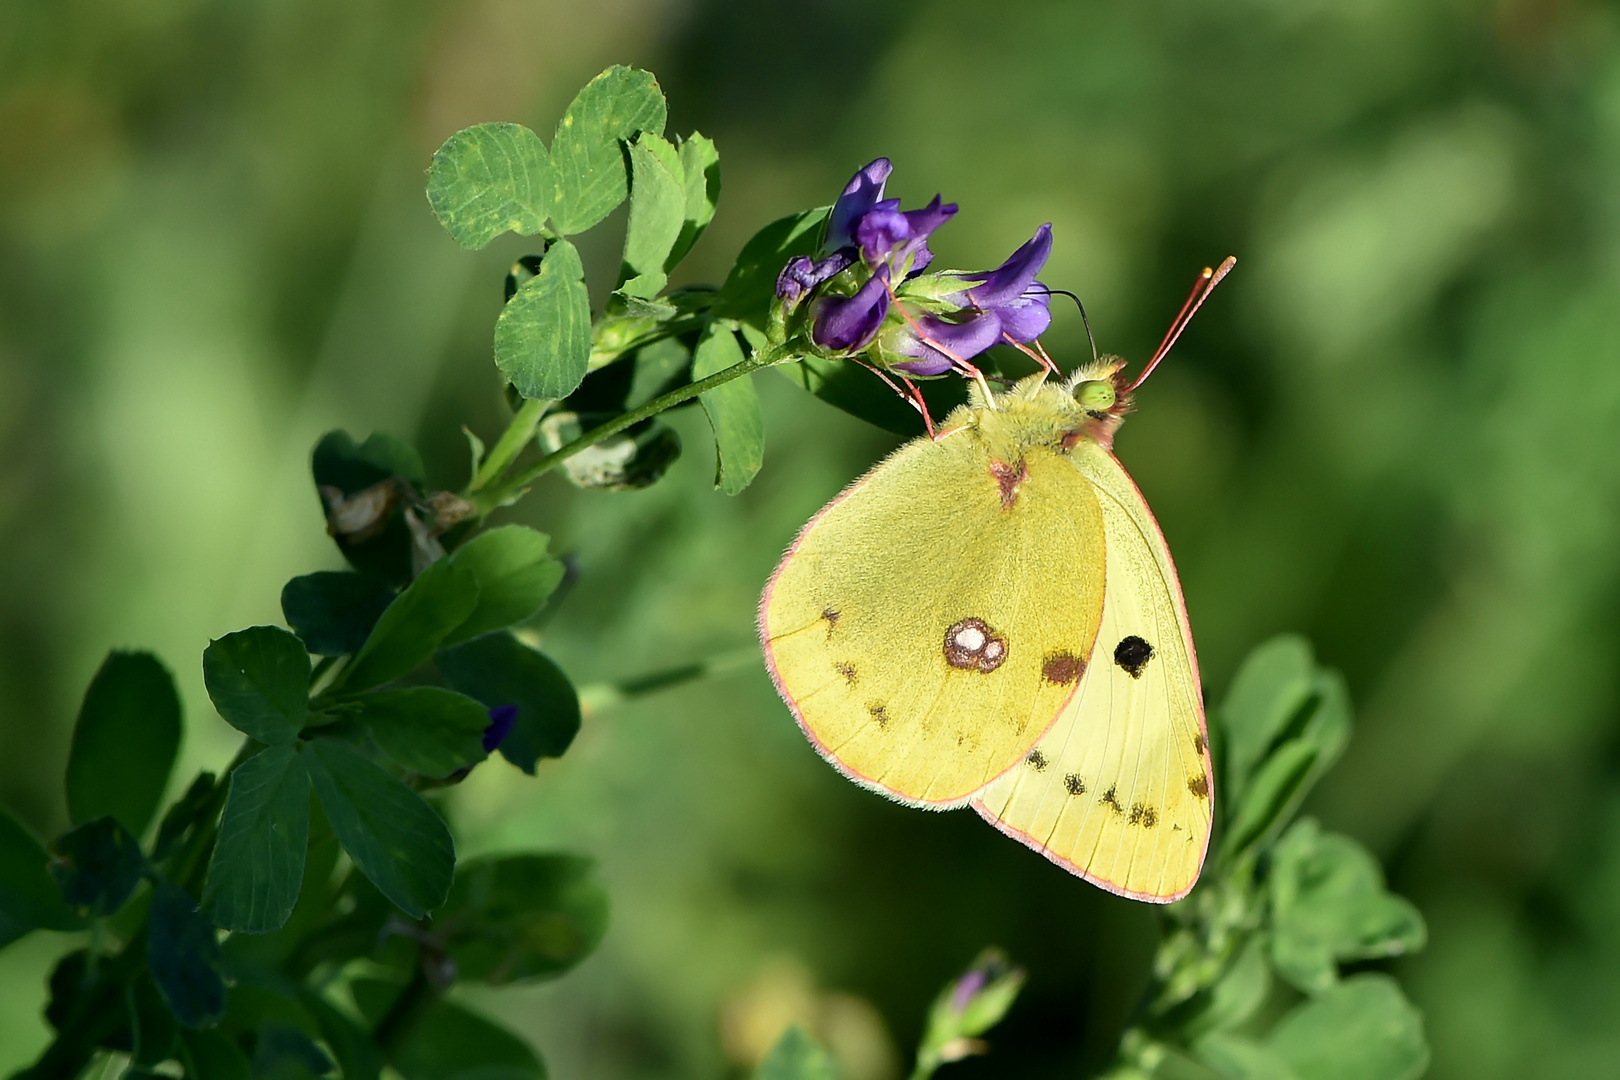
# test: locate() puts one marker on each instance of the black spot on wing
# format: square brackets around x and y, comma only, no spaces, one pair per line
[879,714]
[1143,815]
[1111,797]
[1199,785]
[1074,785]
[1132,655]
[847,670]
[1036,760]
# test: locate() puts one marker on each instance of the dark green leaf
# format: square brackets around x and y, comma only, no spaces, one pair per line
[1266,805]
[862,394]
[1361,1029]
[522,917]
[751,286]
[343,469]
[437,602]
[286,1053]
[700,167]
[29,899]
[1273,684]
[186,812]
[258,679]
[1235,1057]
[796,1056]
[733,411]
[657,212]
[97,866]
[396,839]
[258,861]
[183,954]
[449,1042]
[633,459]
[1232,999]
[515,577]
[589,163]
[212,1055]
[497,669]
[357,1055]
[1329,905]
[488,179]
[125,741]
[426,729]
[543,334]
[153,1032]
[659,368]
[334,610]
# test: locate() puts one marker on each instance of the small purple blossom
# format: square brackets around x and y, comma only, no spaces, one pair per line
[899,238]
[803,274]
[846,323]
[967,987]
[862,193]
[1011,292]
[501,719]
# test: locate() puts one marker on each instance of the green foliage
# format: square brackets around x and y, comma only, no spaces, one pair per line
[125,741]
[29,898]
[183,954]
[521,918]
[733,411]
[421,617]
[614,107]
[796,1056]
[515,577]
[489,179]
[258,679]
[543,335]
[258,859]
[426,729]
[333,611]
[97,866]
[751,286]
[498,669]
[657,215]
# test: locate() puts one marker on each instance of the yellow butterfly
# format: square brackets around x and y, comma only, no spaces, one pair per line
[991,617]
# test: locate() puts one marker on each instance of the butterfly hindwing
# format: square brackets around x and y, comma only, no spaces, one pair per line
[1119,790]
[928,626]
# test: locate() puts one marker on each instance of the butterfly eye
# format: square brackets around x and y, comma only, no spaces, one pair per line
[1096,395]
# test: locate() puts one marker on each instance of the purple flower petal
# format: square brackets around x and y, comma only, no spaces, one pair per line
[501,719]
[842,323]
[803,273]
[1026,318]
[887,234]
[939,341]
[1012,279]
[862,193]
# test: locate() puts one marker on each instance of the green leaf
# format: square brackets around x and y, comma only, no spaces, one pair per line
[515,578]
[152,1028]
[657,213]
[212,1055]
[258,679]
[97,866]
[1232,999]
[438,601]
[521,918]
[29,899]
[617,105]
[498,669]
[334,610]
[543,334]
[357,1055]
[1329,905]
[1265,806]
[125,741]
[862,394]
[1361,1029]
[1273,684]
[286,1053]
[258,861]
[796,1056]
[1238,1058]
[700,168]
[426,729]
[343,468]
[396,839]
[733,411]
[183,955]
[633,459]
[489,179]
[751,286]
[449,1042]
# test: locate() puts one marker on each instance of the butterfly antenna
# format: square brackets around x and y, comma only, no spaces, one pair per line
[1084,319]
[1200,292]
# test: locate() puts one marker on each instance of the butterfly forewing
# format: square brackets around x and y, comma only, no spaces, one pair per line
[1119,790]
[929,625]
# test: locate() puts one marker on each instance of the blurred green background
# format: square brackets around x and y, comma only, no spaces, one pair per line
[1396,428]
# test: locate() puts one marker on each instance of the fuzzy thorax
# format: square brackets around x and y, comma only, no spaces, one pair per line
[1089,405]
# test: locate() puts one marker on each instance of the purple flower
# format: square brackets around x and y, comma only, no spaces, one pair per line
[937,343]
[887,234]
[845,323]
[1011,292]
[864,191]
[501,719]
[802,274]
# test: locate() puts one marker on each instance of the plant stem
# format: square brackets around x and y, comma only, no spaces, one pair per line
[402,1016]
[511,443]
[595,697]
[512,489]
